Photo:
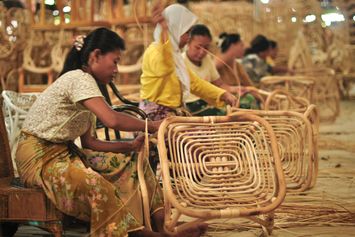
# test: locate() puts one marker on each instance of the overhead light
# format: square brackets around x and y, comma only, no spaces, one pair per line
[294,19]
[9,30]
[49,2]
[66,9]
[353,17]
[264,1]
[309,18]
[14,23]
[55,13]
[328,18]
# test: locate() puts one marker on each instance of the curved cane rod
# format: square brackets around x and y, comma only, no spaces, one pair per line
[291,99]
[136,17]
[143,153]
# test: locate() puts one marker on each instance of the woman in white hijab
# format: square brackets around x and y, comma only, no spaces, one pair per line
[166,82]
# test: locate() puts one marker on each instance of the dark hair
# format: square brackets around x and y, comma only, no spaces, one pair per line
[200,29]
[101,38]
[273,44]
[228,40]
[259,44]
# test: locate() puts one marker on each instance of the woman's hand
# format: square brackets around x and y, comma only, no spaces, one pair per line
[137,142]
[157,16]
[229,99]
[153,126]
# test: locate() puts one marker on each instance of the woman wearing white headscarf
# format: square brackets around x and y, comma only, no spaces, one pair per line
[166,82]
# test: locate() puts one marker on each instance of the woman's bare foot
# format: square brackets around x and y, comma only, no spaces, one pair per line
[195,230]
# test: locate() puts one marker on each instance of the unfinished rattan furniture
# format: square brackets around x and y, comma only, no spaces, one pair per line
[296,126]
[220,167]
[18,204]
[300,86]
[29,71]
[326,93]
[278,99]
[299,156]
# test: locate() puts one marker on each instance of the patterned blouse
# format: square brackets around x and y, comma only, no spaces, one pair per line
[57,115]
[256,67]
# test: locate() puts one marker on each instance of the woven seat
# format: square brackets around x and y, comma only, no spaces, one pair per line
[220,167]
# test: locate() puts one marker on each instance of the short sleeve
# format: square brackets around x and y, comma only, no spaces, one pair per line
[83,86]
[213,70]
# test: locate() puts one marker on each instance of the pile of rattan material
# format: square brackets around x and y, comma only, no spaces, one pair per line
[220,167]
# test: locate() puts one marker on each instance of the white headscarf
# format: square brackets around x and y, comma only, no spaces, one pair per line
[179,20]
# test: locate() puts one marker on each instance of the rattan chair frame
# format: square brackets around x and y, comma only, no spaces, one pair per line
[297,146]
[219,167]
[326,93]
[300,86]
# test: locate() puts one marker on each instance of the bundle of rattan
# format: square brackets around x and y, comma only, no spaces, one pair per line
[220,167]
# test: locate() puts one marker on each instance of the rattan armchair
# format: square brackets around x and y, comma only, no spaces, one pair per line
[220,167]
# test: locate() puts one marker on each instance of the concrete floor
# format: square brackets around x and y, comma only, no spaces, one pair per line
[334,191]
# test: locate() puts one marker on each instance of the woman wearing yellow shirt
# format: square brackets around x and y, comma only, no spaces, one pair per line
[166,81]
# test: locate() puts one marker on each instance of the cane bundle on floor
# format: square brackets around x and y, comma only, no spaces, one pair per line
[220,167]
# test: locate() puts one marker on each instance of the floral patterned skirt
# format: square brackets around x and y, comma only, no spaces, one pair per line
[155,111]
[112,205]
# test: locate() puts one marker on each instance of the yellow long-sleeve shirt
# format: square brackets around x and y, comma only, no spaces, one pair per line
[160,84]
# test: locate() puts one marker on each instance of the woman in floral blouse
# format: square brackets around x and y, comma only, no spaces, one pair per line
[98,183]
